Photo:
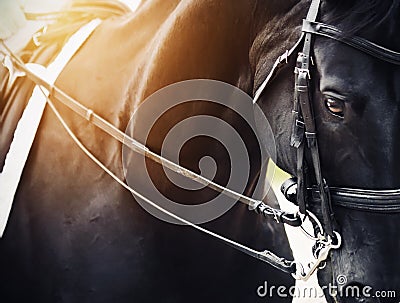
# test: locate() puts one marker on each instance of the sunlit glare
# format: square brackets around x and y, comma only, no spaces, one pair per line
[17,32]
[133,4]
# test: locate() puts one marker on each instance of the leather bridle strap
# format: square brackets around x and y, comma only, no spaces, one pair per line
[368,47]
[303,122]
[367,200]
[383,201]
[305,117]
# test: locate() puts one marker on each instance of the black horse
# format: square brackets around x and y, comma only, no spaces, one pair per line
[80,247]
[74,234]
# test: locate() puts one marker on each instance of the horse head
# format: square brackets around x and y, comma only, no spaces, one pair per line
[355,100]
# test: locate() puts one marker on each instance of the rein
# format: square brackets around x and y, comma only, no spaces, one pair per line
[293,219]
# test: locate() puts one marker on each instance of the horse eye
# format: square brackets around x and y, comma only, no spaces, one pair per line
[335,106]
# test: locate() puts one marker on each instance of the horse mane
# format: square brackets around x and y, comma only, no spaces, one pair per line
[368,14]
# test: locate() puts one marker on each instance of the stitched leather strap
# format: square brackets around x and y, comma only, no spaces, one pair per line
[377,201]
[303,97]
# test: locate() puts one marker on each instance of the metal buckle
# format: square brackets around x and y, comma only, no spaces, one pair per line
[299,70]
[89,115]
[302,62]
[300,123]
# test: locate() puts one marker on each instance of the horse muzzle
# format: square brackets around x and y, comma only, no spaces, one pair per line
[365,268]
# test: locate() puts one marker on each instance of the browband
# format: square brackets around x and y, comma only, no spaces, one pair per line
[357,42]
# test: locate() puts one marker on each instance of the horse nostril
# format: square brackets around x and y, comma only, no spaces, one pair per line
[355,292]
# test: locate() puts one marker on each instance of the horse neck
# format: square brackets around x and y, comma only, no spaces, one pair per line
[130,57]
[217,47]
[198,40]
[163,46]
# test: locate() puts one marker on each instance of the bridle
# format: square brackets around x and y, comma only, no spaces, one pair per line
[304,132]
[304,139]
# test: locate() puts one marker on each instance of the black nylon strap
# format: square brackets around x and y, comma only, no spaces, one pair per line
[297,135]
[303,66]
[303,117]
[368,47]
